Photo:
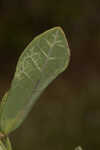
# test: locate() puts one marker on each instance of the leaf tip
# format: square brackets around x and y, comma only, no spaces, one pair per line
[59,28]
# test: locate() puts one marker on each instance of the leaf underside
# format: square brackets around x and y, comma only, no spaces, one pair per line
[40,63]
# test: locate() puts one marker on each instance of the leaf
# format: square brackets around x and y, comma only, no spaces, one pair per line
[5,144]
[78,148]
[2,147]
[3,102]
[40,63]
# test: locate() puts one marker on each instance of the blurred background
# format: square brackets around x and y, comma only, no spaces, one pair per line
[68,112]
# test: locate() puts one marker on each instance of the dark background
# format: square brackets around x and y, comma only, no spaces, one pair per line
[68,112]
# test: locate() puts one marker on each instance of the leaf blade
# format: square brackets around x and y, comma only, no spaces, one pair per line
[40,63]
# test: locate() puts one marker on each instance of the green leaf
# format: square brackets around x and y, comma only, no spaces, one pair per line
[2,146]
[4,99]
[40,63]
[5,144]
[78,148]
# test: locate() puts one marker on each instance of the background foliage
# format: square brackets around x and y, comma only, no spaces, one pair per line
[68,113]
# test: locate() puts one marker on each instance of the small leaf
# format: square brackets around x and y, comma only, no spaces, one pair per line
[4,99]
[40,63]
[5,144]
[2,147]
[78,148]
